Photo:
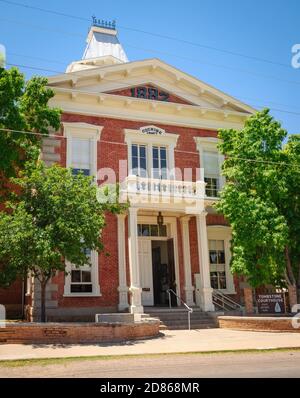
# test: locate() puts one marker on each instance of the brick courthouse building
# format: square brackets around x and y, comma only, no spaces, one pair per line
[153,128]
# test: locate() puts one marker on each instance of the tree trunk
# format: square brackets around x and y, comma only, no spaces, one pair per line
[291,280]
[43,300]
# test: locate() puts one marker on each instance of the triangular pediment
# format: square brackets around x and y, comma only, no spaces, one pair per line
[150,92]
[152,80]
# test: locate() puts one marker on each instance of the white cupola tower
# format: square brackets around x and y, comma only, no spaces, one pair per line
[103,47]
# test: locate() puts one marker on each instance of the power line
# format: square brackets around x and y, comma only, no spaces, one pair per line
[151,34]
[179,93]
[248,72]
[123,143]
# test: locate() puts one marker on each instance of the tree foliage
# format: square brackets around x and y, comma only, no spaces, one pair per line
[261,200]
[23,107]
[55,218]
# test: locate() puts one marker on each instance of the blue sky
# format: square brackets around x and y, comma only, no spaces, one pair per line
[265,29]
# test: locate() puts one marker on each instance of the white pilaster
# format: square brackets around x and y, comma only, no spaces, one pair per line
[205,289]
[135,286]
[189,288]
[123,288]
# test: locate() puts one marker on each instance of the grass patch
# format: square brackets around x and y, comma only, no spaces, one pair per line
[64,361]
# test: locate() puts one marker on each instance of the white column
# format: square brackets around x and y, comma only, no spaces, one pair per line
[135,286]
[205,288]
[189,288]
[122,289]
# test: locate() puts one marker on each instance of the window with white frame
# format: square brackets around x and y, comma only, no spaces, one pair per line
[150,155]
[219,244]
[81,278]
[81,155]
[217,264]
[210,163]
[84,280]
[159,162]
[139,160]
[211,173]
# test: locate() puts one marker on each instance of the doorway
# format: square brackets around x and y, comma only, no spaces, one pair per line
[163,271]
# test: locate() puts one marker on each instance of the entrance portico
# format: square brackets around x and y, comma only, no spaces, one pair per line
[154,263]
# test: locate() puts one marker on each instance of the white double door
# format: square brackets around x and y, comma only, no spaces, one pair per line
[146,273]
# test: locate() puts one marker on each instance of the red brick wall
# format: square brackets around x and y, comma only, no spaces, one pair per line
[111,149]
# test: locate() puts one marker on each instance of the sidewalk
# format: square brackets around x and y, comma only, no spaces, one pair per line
[203,340]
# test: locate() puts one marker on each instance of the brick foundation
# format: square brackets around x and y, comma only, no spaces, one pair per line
[76,333]
[266,324]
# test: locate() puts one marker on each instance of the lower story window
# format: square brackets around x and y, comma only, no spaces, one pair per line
[81,281]
[217,264]
[212,187]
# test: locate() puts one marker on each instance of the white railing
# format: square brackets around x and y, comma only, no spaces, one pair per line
[163,188]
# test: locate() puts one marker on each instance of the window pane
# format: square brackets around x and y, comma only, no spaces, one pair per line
[86,276]
[142,151]
[214,280]
[154,230]
[139,230]
[85,172]
[80,149]
[146,230]
[213,258]
[75,276]
[163,153]
[81,288]
[134,151]
[220,245]
[211,163]
[155,152]
[221,257]
[163,230]
[222,280]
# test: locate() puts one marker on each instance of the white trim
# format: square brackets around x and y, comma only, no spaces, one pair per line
[94,276]
[222,232]
[122,288]
[188,286]
[171,223]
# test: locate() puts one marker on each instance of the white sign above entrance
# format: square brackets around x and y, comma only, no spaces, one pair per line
[152,130]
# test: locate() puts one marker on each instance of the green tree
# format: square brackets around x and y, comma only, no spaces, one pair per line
[55,218]
[23,107]
[261,201]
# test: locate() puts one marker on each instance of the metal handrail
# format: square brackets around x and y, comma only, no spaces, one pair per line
[225,300]
[189,309]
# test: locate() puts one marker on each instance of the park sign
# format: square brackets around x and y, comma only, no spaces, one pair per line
[270,303]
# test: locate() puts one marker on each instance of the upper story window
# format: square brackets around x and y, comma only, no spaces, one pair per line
[210,164]
[151,155]
[159,159]
[81,155]
[211,173]
[81,140]
[139,160]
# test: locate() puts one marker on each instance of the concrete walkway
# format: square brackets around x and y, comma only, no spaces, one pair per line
[176,341]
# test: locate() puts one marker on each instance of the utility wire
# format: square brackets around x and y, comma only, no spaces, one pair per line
[179,93]
[6,130]
[177,39]
[194,60]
